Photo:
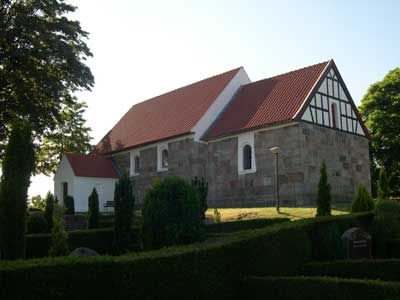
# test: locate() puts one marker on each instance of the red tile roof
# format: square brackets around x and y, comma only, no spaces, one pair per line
[169,115]
[273,100]
[91,165]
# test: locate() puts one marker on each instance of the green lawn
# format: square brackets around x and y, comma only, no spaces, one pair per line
[294,213]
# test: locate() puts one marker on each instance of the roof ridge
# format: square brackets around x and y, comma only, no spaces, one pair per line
[286,73]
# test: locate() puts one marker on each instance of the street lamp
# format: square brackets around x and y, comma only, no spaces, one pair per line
[276,151]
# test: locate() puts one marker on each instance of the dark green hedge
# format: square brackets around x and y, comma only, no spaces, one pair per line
[210,270]
[318,288]
[227,227]
[384,269]
[207,270]
[393,248]
[100,240]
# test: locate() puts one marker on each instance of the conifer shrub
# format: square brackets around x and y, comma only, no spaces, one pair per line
[362,201]
[324,194]
[59,237]
[383,184]
[200,185]
[93,214]
[17,166]
[36,223]
[124,211]
[69,205]
[49,210]
[171,214]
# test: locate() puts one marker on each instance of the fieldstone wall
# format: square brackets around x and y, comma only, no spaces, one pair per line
[187,159]
[304,147]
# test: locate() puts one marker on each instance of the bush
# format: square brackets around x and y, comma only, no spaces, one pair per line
[386,226]
[59,245]
[17,166]
[49,209]
[383,184]
[36,223]
[227,227]
[388,269]
[362,201]
[124,205]
[100,240]
[316,288]
[201,187]
[207,270]
[69,204]
[324,194]
[393,248]
[93,214]
[171,214]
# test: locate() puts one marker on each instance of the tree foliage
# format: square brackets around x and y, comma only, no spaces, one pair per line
[124,208]
[17,167]
[380,107]
[93,212]
[362,201]
[324,194]
[383,184]
[171,214]
[42,62]
[69,135]
[37,202]
[49,210]
[200,185]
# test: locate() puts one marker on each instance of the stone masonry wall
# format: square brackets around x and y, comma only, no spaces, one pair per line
[304,146]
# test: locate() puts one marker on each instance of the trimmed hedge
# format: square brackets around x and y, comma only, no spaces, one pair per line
[227,227]
[100,240]
[393,248]
[207,270]
[210,270]
[385,269]
[317,288]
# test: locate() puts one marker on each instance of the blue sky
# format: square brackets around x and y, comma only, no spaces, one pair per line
[145,48]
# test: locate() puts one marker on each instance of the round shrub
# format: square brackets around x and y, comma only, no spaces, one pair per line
[171,214]
[387,209]
[69,205]
[36,223]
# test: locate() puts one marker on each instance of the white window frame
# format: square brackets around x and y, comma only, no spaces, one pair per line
[132,166]
[160,149]
[244,140]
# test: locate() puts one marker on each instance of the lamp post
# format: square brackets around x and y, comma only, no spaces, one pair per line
[276,151]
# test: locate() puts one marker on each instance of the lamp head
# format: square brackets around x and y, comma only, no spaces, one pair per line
[275,150]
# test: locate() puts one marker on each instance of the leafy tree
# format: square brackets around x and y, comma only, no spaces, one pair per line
[42,62]
[362,201]
[201,187]
[124,206]
[37,202]
[69,135]
[49,210]
[93,215]
[171,214]
[324,194]
[59,237]
[383,184]
[380,107]
[17,167]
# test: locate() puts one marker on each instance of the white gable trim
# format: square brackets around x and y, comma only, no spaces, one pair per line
[223,99]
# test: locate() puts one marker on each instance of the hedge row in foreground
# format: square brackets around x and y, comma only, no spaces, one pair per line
[385,269]
[100,240]
[317,288]
[208,270]
[227,227]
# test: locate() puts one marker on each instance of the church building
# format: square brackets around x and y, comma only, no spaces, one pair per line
[223,129]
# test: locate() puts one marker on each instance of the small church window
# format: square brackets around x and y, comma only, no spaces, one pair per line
[247,157]
[334,115]
[164,158]
[137,164]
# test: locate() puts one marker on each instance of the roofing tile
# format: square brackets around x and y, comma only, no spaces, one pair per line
[91,165]
[268,101]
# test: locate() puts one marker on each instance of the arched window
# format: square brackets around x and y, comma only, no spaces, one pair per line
[164,158]
[334,115]
[137,164]
[247,157]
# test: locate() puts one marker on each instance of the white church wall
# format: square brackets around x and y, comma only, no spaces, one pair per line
[63,174]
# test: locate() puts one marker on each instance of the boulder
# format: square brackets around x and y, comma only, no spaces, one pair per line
[82,251]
